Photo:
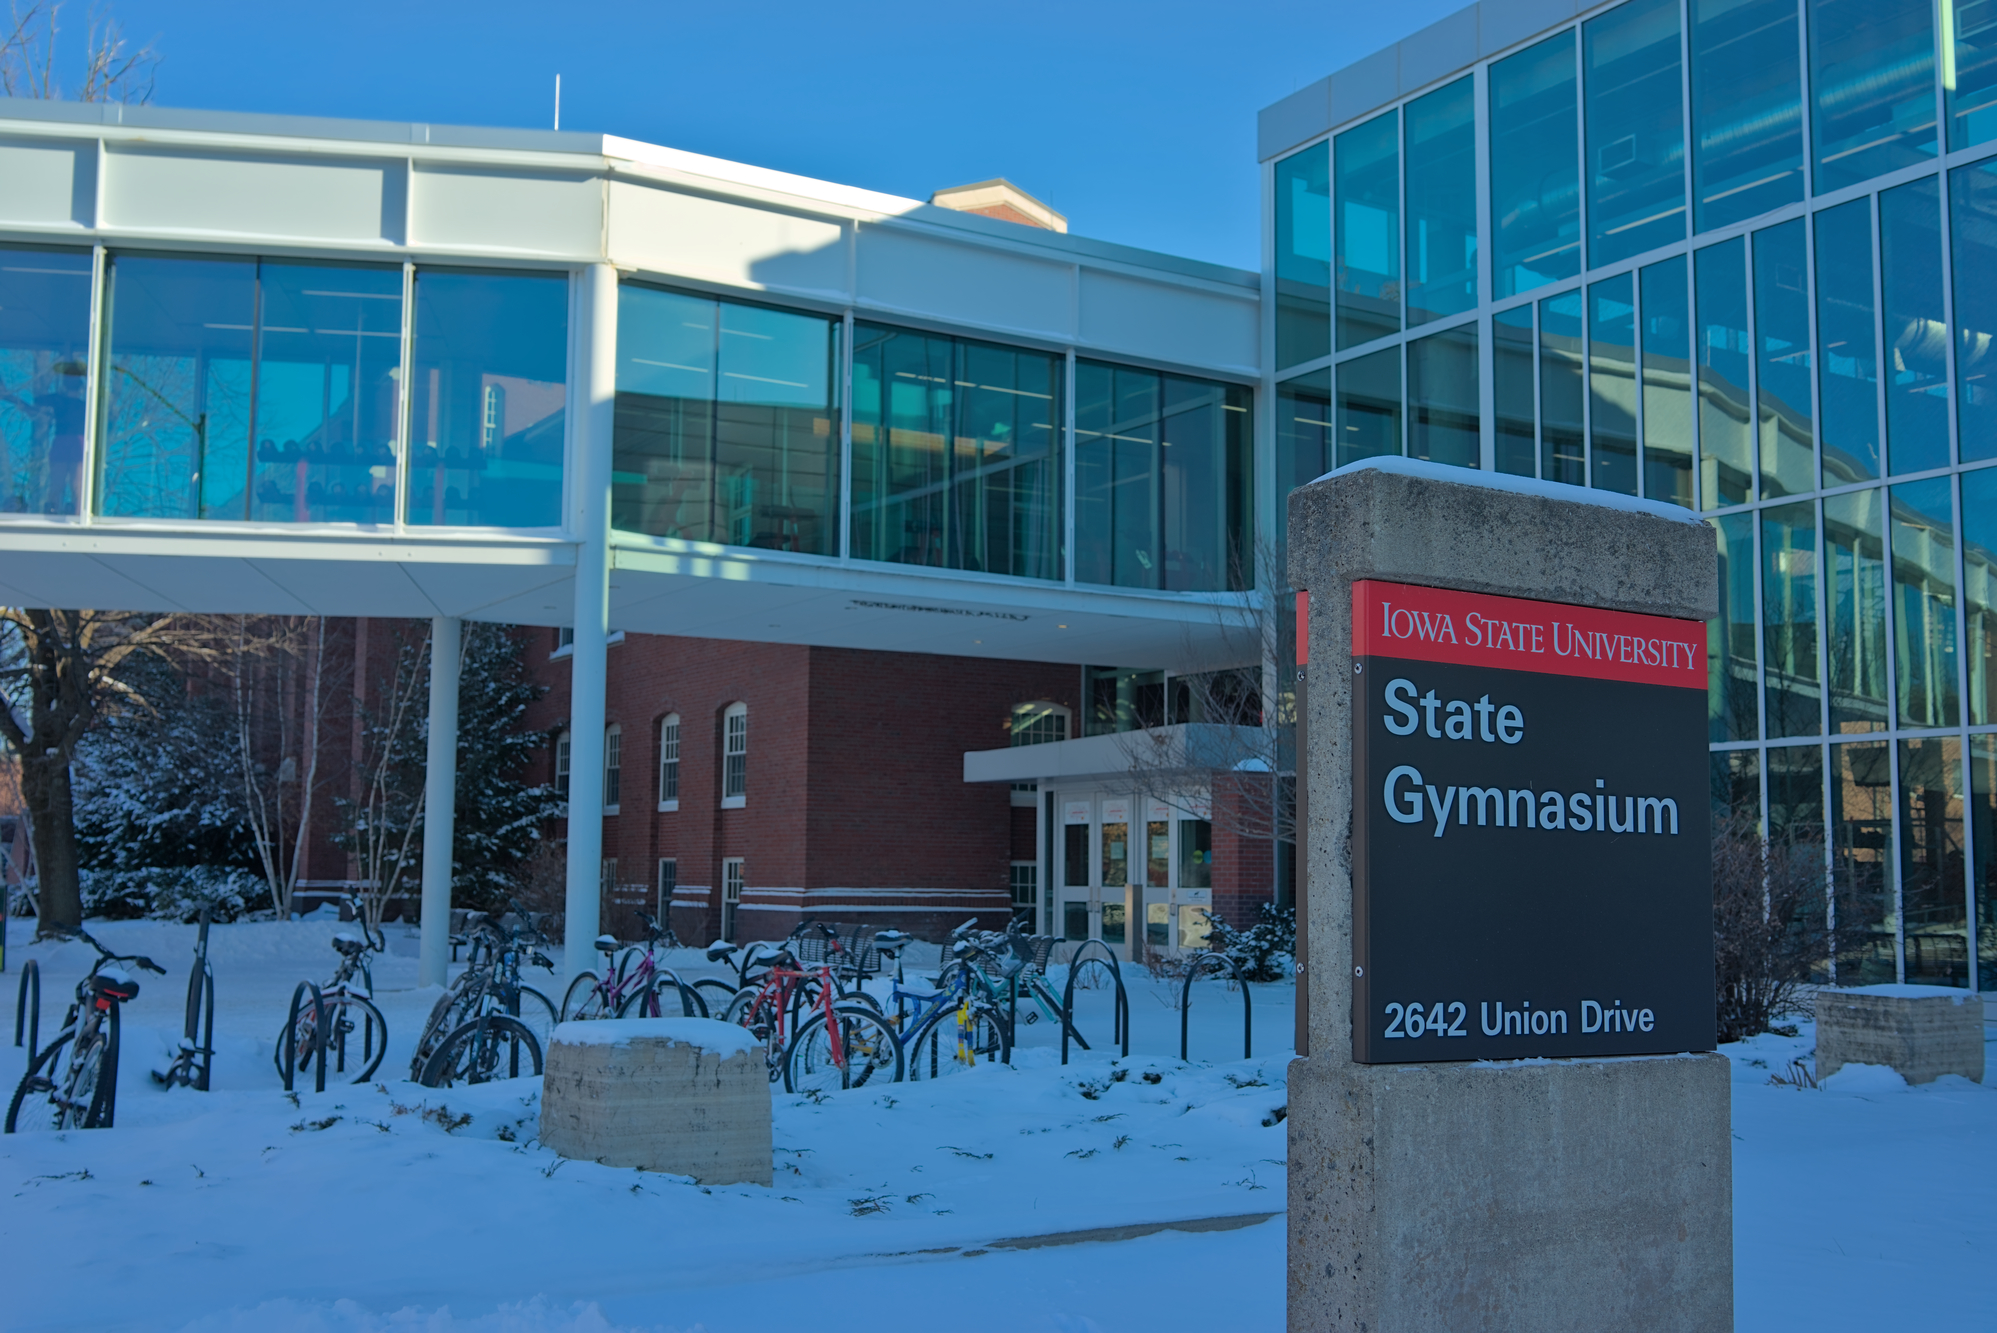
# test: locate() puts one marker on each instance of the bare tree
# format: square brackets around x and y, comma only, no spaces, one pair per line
[67,669]
[113,69]
[1772,928]
[383,825]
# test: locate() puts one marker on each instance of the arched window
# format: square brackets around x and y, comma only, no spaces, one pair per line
[669,762]
[613,763]
[562,766]
[735,756]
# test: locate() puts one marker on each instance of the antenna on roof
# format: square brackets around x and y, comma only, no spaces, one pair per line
[558,101]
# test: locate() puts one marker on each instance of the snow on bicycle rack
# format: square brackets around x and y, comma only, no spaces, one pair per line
[687,1096]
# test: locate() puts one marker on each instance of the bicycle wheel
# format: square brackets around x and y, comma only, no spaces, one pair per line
[583,999]
[538,1012]
[751,1010]
[714,995]
[944,1046]
[35,1105]
[358,1015]
[645,1002]
[868,1052]
[490,1047]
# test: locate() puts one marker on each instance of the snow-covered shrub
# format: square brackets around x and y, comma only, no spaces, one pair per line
[1265,950]
[169,893]
[114,895]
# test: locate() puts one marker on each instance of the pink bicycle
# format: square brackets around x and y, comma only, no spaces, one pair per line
[631,982]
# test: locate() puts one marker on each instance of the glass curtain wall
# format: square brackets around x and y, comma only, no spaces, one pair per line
[1164,468]
[488,398]
[247,389]
[727,424]
[1303,256]
[1367,251]
[44,374]
[1872,81]
[1635,130]
[1747,110]
[1441,187]
[1535,172]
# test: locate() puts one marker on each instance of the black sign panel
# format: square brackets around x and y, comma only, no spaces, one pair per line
[1531,844]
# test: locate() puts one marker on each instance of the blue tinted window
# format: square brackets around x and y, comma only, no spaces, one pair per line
[176,428]
[1443,415]
[1369,406]
[1847,337]
[725,424]
[1442,203]
[1969,72]
[1872,83]
[1855,605]
[1924,602]
[1304,448]
[1369,231]
[1733,712]
[1535,175]
[1636,131]
[1789,618]
[1973,236]
[1667,384]
[1512,391]
[1563,454]
[1163,480]
[44,366]
[1612,382]
[1910,257]
[1725,432]
[329,350]
[1782,360]
[488,402]
[1747,110]
[1303,255]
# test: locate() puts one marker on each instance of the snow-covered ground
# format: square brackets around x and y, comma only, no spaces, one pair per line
[383,1206]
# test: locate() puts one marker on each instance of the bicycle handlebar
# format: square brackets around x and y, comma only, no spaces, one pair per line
[104,955]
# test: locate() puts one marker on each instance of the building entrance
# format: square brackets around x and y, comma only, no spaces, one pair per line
[1135,873]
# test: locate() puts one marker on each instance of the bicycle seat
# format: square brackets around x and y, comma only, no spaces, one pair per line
[887,941]
[607,944]
[114,983]
[349,944]
[721,949]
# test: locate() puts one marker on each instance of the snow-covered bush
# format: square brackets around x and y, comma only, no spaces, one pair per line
[1264,951]
[170,893]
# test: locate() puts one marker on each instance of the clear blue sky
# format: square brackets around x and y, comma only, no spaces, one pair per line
[1136,120]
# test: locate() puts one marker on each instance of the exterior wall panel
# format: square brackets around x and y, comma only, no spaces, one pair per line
[306,198]
[1176,324]
[508,212]
[48,182]
[668,232]
[918,275]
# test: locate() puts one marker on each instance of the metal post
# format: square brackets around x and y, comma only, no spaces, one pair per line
[440,788]
[596,366]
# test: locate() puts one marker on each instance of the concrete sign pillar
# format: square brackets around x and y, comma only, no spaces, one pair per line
[440,786]
[1511,1116]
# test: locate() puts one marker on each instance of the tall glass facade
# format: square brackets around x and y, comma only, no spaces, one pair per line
[1736,256]
[44,368]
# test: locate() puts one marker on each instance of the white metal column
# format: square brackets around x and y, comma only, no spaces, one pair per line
[596,378]
[440,798]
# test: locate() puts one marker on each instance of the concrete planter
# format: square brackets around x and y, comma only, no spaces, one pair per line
[686,1096]
[1922,1032]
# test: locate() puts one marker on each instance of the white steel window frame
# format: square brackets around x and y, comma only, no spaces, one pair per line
[735,756]
[669,763]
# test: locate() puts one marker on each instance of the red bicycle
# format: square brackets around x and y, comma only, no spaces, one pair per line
[844,1042]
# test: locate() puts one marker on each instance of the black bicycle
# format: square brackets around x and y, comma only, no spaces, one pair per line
[193,1061]
[489,1024]
[73,1082]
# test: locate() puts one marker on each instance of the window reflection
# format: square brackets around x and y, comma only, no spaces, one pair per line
[1872,80]
[1369,231]
[1562,442]
[488,399]
[1667,383]
[1535,182]
[1736,785]
[1861,829]
[1747,110]
[175,435]
[1303,255]
[329,356]
[1720,276]
[1512,391]
[1979,592]
[1969,70]
[1369,406]
[1304,435]
[1855,599]
[1636,130]
[1973,236]
[1612,382]
[726,427]
[1983,870]
[1789,618]
[1442,203]
[1163,480]
[1931,862]
[1782,360]
[1847,341]
[1924,602]
[1910,257]
[44,367]
[1732,707]
[1443,416]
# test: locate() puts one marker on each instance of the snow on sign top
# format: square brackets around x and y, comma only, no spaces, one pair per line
[1400,620]
[724,1039]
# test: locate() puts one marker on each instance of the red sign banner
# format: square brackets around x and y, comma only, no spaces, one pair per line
[1400,620]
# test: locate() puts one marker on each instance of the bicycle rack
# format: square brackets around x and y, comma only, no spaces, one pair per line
[29,1000]
[319,1036]
[1102,957]
[1204,959]
[203,1034]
